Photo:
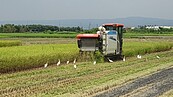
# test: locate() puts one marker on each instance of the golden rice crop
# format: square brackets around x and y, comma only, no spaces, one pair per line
[134,48]
[8,43]
[23,57]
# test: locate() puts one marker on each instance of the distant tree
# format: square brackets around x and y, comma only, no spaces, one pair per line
[93,30]
[1,28]
[9,28]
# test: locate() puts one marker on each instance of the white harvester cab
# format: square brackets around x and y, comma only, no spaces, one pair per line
[108,40]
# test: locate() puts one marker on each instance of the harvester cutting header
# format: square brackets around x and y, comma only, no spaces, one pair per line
[108,40]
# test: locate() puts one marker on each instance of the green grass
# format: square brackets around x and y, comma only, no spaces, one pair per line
[8,43]
[24,57]
[38,35]
[138,35]
[3,36]
[70,35]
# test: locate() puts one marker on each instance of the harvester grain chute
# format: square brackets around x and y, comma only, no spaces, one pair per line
[108,41]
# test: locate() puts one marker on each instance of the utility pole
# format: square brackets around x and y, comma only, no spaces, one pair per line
[59,27]
[89,26]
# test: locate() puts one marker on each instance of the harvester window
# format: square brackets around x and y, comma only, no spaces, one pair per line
[120,29]
[109,28]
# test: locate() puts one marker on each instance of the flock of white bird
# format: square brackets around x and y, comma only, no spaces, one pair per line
[59,62]
[111,61]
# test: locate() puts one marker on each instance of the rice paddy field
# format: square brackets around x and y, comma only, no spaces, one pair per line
[73,35]
[39,35]
[86,80]
[8,43]
[23,57]
[30,56]
[22,71]
[145,35]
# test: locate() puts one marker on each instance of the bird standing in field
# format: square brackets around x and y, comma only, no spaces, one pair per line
[110,60]
[94,62]
[124,58]
[75,66]
[59,62]
[139,56]
[157,57]
[68,62]
[45,65]
[74,61]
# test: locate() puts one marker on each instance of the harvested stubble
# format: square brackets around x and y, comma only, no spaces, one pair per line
[87,80]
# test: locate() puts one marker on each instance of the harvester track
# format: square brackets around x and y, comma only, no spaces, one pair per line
[150,86]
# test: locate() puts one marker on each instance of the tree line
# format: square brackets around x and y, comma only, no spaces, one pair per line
[11,28]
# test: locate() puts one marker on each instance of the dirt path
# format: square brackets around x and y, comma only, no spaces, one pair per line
[150,86]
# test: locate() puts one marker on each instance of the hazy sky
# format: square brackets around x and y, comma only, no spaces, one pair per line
[84,9]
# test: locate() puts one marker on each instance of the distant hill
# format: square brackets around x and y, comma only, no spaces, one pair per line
[135,21]
[90,23]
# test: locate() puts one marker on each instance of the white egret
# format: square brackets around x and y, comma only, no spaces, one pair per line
[94,62]
[124,58]
[74,62]
[75,66]
[157,57]
[59,62]
[110,60]
[139,56]
[68,62]
[45,65]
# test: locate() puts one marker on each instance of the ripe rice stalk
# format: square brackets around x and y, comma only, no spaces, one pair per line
[9,43]
[24,57]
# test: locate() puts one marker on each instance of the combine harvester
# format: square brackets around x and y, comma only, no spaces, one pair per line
[108,41]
